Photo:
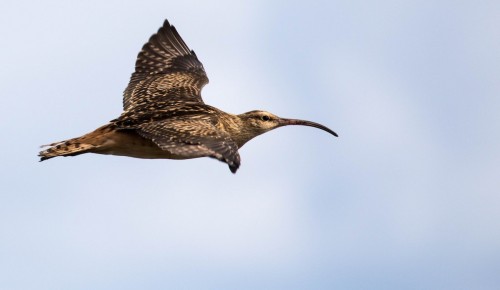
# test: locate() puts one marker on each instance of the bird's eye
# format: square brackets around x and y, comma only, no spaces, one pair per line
[265,118]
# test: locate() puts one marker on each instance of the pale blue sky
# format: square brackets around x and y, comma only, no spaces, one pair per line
[408,197]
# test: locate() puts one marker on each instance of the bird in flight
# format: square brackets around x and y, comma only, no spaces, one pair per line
[165,117]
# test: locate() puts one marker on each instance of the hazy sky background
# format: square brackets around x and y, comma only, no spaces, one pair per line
[408,197]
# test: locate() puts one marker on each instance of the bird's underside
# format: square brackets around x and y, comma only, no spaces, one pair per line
[164,115]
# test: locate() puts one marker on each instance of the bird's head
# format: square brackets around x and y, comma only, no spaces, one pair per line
[259,122]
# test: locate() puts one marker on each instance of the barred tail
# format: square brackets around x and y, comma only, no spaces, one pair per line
[76,146]
[69,147]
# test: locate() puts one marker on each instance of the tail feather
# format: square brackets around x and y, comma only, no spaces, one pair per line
[87,143]
[69,147]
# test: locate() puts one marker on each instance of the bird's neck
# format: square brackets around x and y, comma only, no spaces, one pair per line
[234,125]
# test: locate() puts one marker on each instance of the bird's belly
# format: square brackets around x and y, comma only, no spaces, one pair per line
[129,143]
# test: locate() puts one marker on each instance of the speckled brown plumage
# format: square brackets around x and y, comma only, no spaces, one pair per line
[165,117]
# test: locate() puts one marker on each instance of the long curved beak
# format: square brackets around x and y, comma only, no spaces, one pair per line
[286,122]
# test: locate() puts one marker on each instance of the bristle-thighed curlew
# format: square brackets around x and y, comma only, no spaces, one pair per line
[165,117]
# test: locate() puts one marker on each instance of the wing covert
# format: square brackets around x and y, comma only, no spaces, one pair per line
[191,138]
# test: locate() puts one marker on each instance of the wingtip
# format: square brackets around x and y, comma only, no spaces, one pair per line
[233,168]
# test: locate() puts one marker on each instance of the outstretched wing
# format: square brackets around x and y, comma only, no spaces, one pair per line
[165,70]
[192,137]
